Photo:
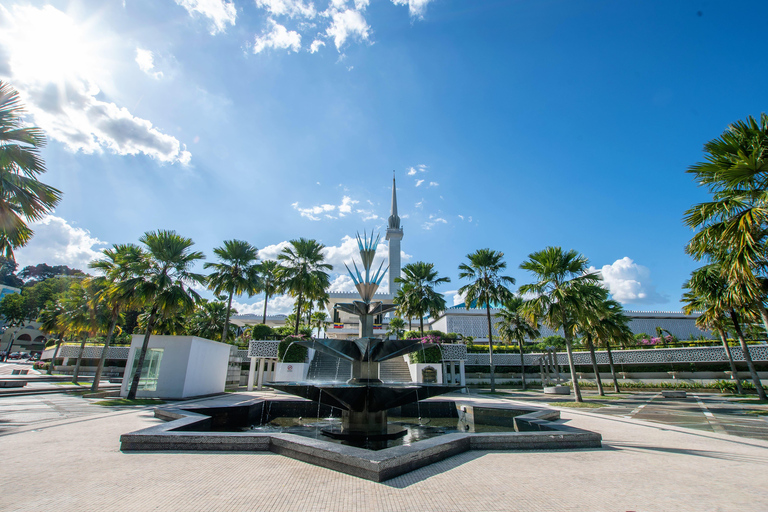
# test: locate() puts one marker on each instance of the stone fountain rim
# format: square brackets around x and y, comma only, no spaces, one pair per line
[379,465]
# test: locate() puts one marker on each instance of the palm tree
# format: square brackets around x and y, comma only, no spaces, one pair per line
[405,306]
[116,266]
[303,272]
[237,273]
[590,323]
[22,197]
[209,318]
[319,320]
[560,276]
[708,292]
[513,327]
[487,287]
[396,327]
[51,318]
[161,282]
[418,285]
[731,227]
[268,283]
[612,324]
[84,313]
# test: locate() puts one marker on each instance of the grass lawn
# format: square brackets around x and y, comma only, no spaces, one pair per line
[612,396]
[754,401]
[579,405]
[117,402]
[757,412]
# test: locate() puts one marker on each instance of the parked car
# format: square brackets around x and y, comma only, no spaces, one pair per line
[34,357]
[15,355]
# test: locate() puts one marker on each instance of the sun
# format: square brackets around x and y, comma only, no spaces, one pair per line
[45,45]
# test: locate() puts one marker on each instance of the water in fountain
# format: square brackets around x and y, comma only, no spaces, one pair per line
[365,399]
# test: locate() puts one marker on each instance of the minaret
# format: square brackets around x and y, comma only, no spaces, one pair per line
[394,235]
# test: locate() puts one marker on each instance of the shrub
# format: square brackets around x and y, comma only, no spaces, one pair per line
[39,365]
[289,352]
[428,355]
[261,332]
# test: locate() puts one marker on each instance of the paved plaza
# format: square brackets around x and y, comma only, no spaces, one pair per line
[643,466]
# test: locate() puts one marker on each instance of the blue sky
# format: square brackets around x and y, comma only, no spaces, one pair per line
[511,125]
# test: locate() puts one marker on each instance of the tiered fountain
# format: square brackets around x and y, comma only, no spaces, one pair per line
[365,399]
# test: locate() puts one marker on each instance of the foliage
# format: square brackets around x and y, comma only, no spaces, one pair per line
[303,272]
[122,402]
[42,272]
[261,332]
[8,275]
[417,295]
[396,327]
[269,282]
[429,355]
[209,319]
[289,352]
[235,274]
[23,198]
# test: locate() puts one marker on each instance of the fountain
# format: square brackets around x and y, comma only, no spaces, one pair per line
[365,399]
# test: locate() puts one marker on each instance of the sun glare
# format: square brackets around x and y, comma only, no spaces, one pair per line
[47,45]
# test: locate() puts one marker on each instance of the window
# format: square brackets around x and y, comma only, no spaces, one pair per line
[151,369]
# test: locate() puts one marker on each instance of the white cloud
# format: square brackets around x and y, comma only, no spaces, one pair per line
[57,67]
[416,8]
[278,305]
[343,209]
[367,214]
[290,8]
[419,168]
[346,24]
[146,61]
[433,220]
[433,184]
[220,13]
[315,46]
[57,242]
[270,252]
[360,5]
[279,38]
[346,205]
[455,296]
[629,282]
[419,182]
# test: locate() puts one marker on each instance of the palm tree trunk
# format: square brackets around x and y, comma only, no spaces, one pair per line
[734,372]
[421,324]
[594,365]
[298,315]
[571,366]
[142,355]
[103,358]
[613,368]
[490,346]
[55,353]
[76,373]
[747,356]
[522,362]
[225,332]
[264,318]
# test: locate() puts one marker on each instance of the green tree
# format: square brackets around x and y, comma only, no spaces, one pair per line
[396,327]
[319,321]
[23,198]
[303,272]
[15,308]
[84,314]
[417,286]
[710,293]
[487,288]
[235,274]
[269,282]
[731,227]
[590,323]
[560,278]
[209,319]
[612,324]
[513,327]
[116,266]
[8,275]
[161,282]
[51,319]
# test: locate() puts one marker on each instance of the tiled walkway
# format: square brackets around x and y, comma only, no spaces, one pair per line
[643,466]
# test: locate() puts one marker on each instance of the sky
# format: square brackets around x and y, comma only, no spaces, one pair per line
[511,125]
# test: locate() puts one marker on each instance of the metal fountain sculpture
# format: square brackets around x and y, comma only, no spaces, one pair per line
[365,399]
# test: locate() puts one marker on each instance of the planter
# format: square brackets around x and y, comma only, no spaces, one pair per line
[557,390]
[291,372]
[422,372]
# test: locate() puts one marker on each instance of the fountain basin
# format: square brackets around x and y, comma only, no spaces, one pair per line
[197,427]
